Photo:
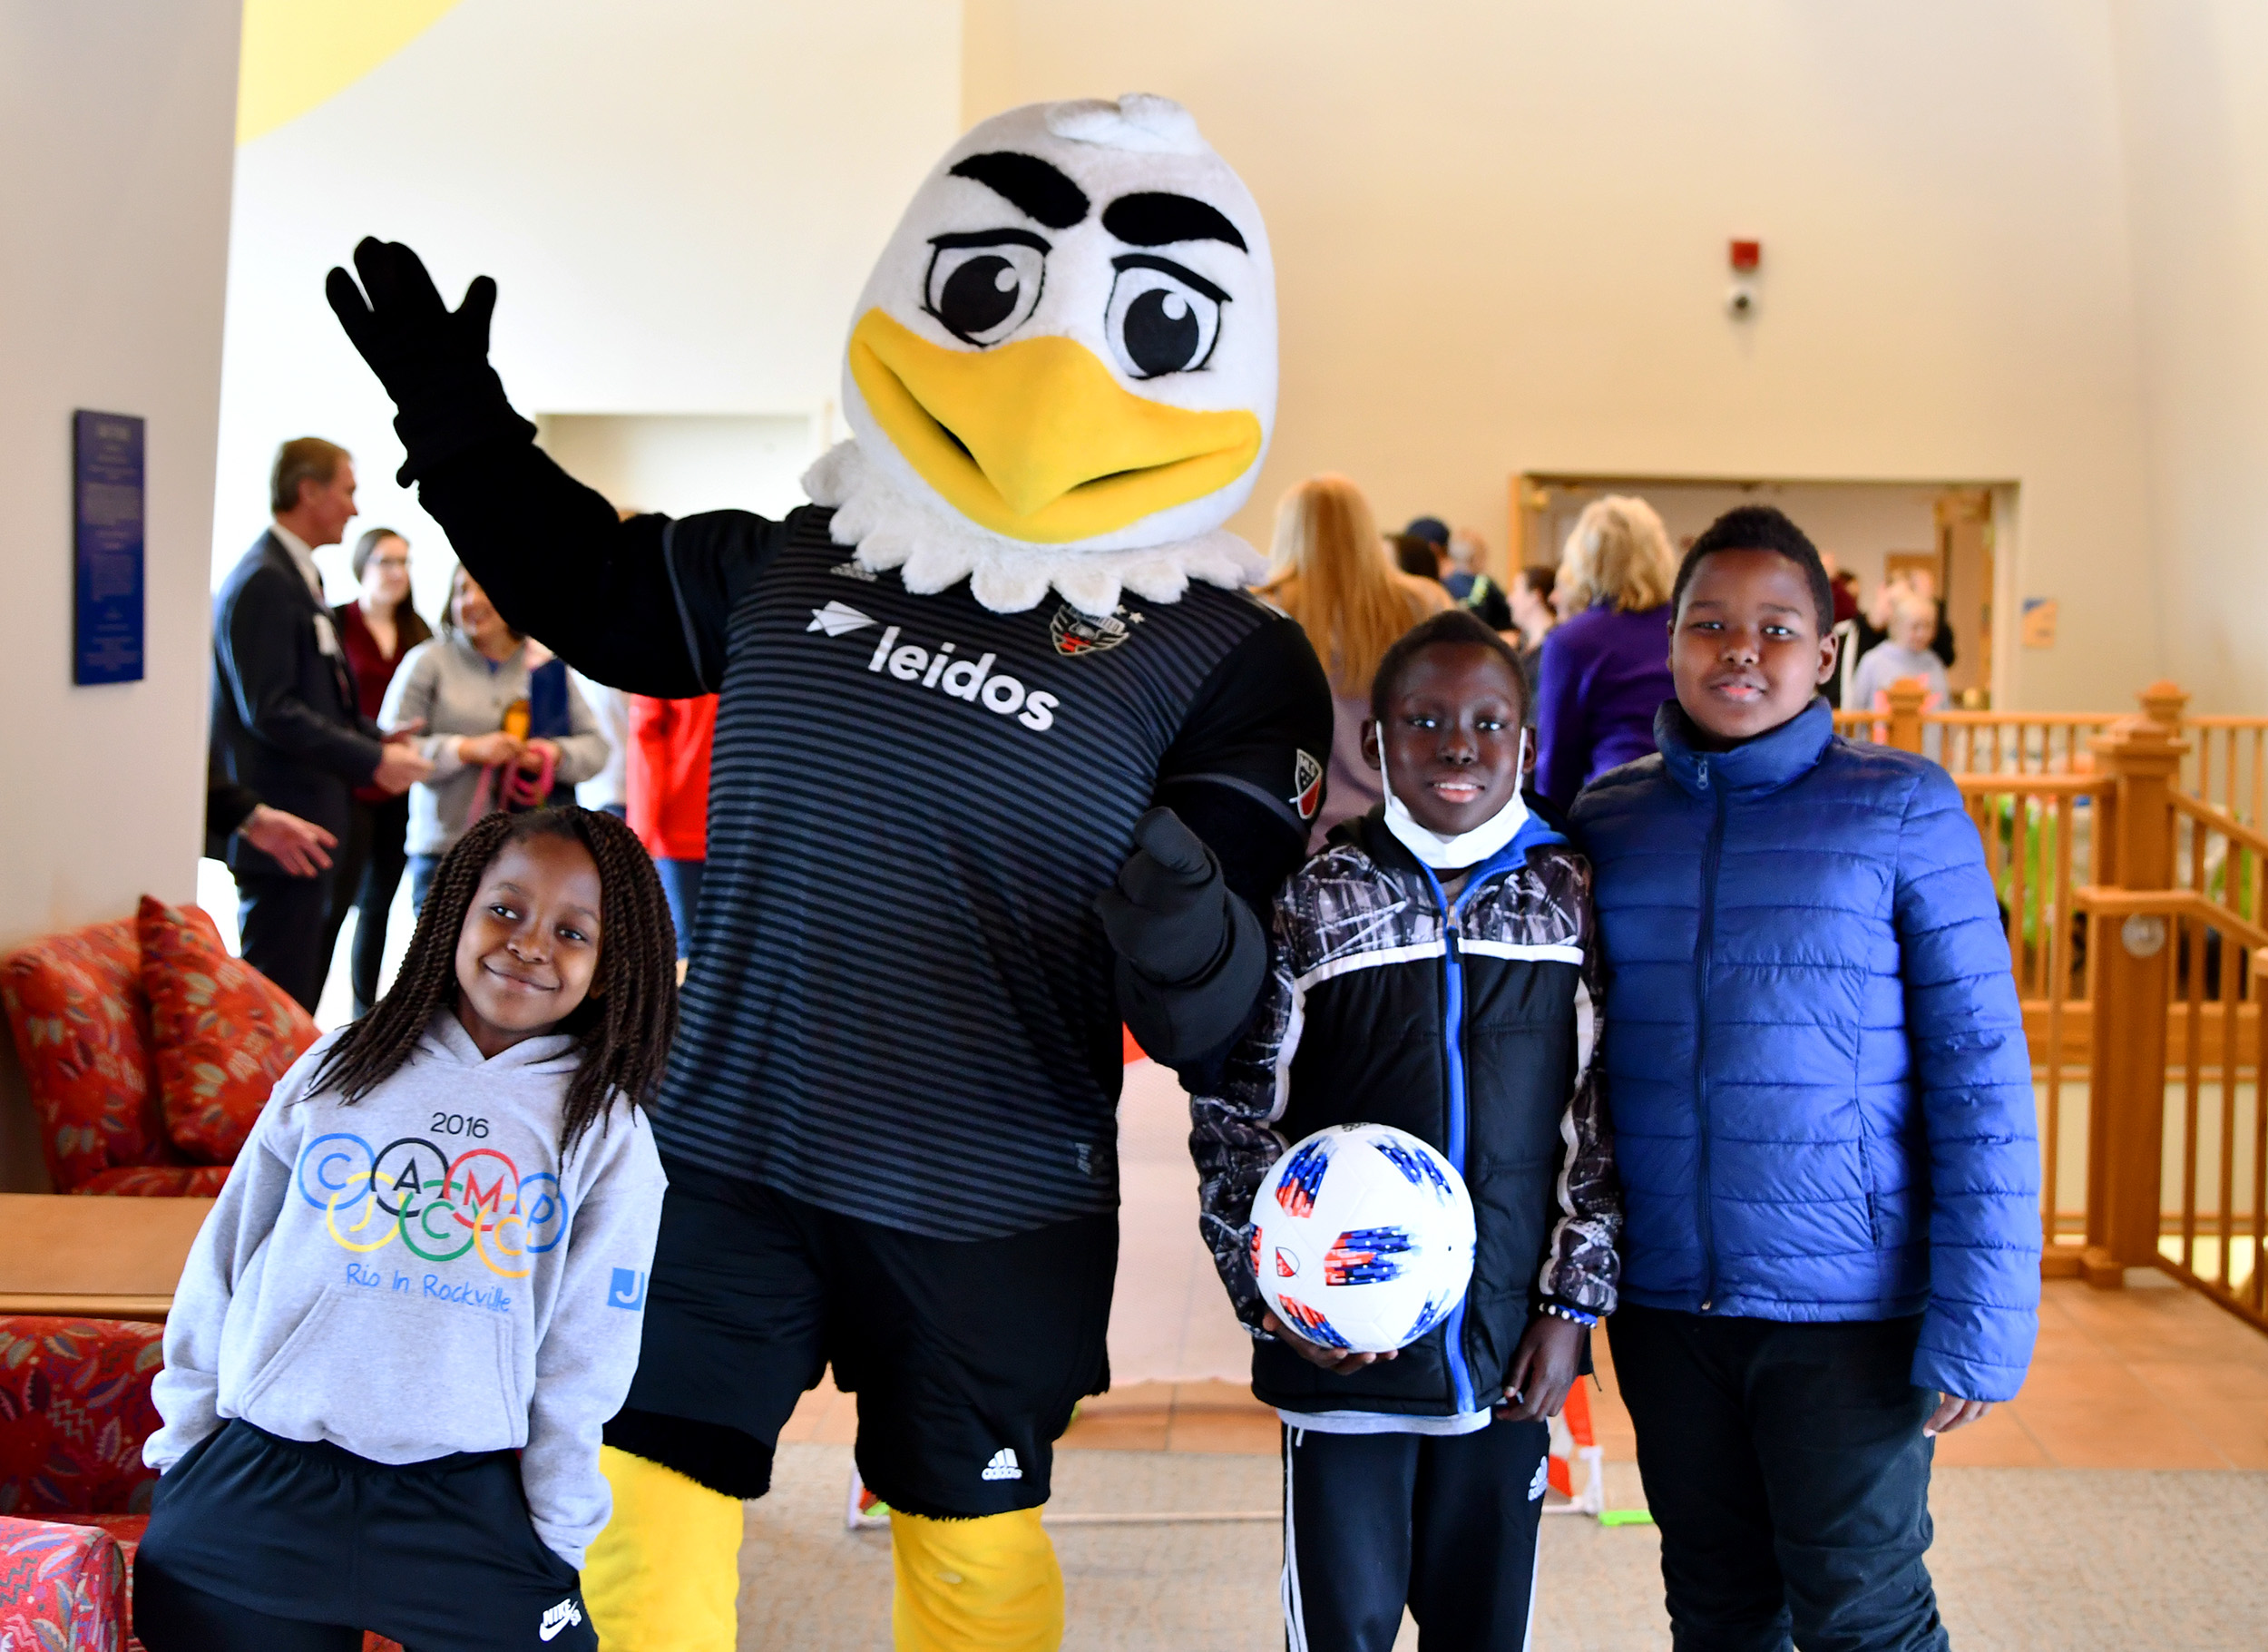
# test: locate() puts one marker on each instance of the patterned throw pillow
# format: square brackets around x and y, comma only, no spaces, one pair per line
[82,1032]
[223,1032]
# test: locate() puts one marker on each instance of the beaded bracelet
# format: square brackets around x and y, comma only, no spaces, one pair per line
[1576,1316]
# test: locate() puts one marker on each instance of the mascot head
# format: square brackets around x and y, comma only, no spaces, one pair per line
[1062,371]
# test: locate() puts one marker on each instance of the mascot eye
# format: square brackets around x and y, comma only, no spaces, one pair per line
[983,287]
[1162,319]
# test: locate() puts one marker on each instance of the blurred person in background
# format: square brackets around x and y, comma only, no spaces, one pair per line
[1471,588]
[1604,668]
[1533,616]
[1904,652]
[1875,620]
[608,791]
[1420,559]
[377,630]
[1332,575]
[286,723]
[468,690]
[667,782]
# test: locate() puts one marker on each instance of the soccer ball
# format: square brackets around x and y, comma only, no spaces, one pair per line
[1362,1238]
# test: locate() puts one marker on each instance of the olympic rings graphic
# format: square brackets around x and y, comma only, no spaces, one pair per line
[440,1208]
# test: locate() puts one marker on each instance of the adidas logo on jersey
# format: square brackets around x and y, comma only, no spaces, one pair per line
[974,681]
[558,1618]
[1003,1466]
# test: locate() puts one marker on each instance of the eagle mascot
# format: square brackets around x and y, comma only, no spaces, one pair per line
[1005,755]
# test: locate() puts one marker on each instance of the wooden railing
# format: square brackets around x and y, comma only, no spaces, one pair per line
[2131,863]
[2226,761]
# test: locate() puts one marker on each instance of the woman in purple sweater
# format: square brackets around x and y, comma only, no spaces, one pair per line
[1606,670]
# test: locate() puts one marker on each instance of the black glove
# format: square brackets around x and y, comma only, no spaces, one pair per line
[432,360]
[1191,955]
[1169,915]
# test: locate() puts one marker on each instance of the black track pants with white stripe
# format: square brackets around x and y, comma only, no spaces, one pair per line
[1445,1524]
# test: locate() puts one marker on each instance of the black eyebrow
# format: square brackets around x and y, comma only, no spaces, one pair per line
[1151,260]
[1028,183]
[1151,219]
[990,237]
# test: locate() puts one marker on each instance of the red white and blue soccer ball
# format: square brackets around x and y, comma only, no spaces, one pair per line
[1362,1238]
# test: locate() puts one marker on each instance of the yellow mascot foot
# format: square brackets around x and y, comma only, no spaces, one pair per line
[988,1584]
[665,1573]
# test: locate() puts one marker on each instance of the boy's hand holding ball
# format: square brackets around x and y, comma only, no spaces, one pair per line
[1336,1360]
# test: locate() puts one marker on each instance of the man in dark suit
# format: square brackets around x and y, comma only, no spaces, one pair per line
[285,722]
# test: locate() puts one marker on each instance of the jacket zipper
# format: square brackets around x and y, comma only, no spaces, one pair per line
[1703,1224]
[1453,1056]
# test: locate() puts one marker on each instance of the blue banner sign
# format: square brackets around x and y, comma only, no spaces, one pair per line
[107,500]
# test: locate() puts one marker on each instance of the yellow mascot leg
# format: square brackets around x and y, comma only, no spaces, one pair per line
[988,1584]
[665,1573]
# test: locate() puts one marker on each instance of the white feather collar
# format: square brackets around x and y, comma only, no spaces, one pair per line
[936,549]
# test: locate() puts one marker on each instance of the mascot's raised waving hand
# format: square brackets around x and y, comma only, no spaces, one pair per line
[1003,756]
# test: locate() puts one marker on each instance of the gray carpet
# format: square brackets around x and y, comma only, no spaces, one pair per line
[2027,1560]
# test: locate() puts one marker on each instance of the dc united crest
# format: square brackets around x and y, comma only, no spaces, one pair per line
[1306,785]
[1076,633]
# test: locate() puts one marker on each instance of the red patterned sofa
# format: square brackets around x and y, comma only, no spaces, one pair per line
[81,1024]
[127,1110]
[75,1495]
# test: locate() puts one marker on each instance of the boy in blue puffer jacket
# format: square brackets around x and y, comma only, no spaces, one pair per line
[1824,1116]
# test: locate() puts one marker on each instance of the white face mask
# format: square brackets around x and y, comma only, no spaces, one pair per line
[1467,848]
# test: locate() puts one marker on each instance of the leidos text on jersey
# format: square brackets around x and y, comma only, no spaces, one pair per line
[974,681]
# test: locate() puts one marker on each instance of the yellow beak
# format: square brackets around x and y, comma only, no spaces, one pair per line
[1036,440]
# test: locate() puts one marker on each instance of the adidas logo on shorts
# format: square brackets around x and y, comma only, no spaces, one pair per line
[1537,1486]
[1003,1466]
[558,1617]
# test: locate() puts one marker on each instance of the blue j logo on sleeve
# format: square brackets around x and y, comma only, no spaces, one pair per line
[628,1290]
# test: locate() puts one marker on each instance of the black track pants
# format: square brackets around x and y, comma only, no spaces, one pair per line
[1787,1469]
[1444,1524]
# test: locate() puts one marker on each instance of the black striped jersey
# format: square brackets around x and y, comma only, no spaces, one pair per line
[900,1005]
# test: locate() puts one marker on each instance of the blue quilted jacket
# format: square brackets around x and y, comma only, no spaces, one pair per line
[1816,1060]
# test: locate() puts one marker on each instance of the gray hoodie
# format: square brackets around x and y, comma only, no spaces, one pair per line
[455,689]
[487,1298]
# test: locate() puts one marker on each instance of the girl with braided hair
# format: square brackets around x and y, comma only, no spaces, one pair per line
[420,1295]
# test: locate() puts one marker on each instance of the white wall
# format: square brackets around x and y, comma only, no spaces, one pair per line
[1501,231]
[116,131]
[679,200]
[2194,74]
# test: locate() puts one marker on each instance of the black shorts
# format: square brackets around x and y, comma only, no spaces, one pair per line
[436,1555]
[967,1356]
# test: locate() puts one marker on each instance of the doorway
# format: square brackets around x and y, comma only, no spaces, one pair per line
[1875,530]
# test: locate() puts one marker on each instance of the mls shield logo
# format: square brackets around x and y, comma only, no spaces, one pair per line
[1306,785]
[628,1289]
[1075,633]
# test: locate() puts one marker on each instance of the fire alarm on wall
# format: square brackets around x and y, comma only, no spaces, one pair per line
[1740,302]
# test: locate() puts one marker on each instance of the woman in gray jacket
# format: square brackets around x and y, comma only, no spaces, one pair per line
[462,685]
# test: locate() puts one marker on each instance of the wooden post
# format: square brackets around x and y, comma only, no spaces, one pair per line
[2164,702]
[1906,696]
[2133,968]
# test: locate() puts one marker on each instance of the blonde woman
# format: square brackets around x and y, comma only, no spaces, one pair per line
[1605,671]
[1333,576]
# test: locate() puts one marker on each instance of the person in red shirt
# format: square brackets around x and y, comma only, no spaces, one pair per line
[668,786]
[376,629]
